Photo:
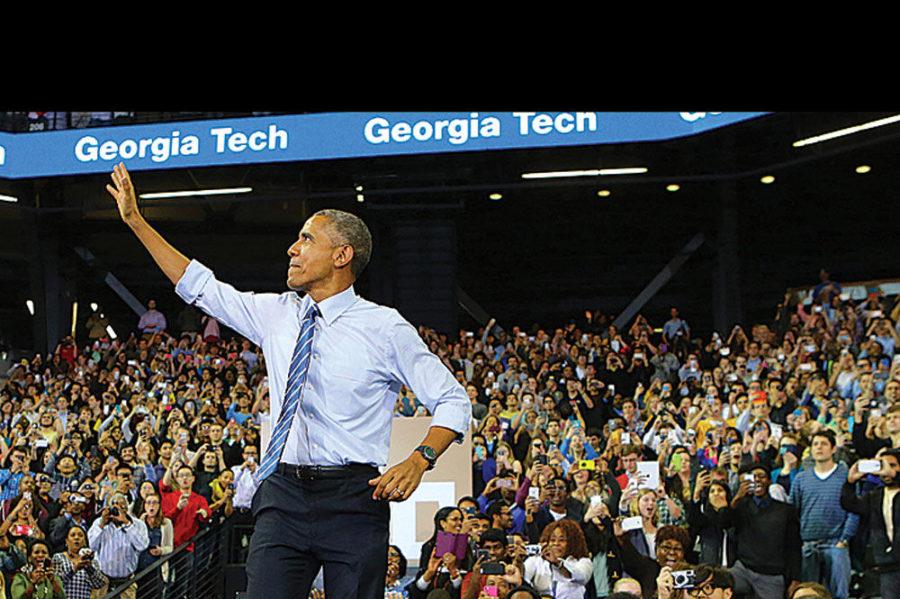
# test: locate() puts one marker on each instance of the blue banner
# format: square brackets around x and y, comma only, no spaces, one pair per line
[326,136]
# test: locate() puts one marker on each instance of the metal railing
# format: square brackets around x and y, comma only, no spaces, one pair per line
[194,570]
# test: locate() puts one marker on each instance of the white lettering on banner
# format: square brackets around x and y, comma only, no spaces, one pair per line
[160,149]
[564,122]
[379,130]
[227,138]
[2,155]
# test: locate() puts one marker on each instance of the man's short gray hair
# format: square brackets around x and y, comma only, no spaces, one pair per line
[349,229]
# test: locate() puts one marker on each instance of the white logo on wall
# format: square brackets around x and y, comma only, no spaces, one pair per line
[403,515]
[696,116]
[2,155]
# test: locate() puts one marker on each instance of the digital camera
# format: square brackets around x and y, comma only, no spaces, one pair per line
[683,579]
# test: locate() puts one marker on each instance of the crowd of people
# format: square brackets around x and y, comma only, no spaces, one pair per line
[117,452]
[606,463]
[762,463]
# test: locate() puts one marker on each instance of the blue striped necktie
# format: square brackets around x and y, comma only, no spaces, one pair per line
[294,387]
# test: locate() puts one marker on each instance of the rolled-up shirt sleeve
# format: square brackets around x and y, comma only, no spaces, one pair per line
[245,312]
[415,366]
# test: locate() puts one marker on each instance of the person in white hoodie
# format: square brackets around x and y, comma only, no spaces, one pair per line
[564,566]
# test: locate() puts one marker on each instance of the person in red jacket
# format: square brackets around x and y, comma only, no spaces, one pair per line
[186,509]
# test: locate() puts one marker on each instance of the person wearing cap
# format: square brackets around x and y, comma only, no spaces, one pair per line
[768,536]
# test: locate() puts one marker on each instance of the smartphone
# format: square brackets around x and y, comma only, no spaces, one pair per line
[587,465]
[869,466]
[633,523]
[532,550]
[505,483]
[493,568]
[482,554]
[491,590]
[541,459]
[725,351]
[596,500]
[534,492]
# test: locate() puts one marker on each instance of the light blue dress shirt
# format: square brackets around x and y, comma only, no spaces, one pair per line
[362,353]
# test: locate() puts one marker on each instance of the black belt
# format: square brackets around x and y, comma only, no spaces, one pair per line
[322,472]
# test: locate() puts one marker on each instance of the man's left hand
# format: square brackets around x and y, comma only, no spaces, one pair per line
[399,482]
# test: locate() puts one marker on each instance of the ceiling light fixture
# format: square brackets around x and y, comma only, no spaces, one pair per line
[636,170]
[199,192]
[847,131]
[496,196]
[863,169]
[360,197]
[673,187]
[767,179]
[5,198]
[30,305]
[604,193]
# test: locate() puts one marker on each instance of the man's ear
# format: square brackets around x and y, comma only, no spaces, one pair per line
[727,593]
[343,256]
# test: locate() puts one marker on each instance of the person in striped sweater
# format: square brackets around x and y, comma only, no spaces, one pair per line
[825,526]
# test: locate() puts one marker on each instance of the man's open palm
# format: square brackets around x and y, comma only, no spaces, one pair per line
[123,192]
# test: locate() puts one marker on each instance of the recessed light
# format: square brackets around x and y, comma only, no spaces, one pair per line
[360,197]
[496,196]
[359,188]
[604,193]
[767,179]
[863,169]
[673,187]
[5,198]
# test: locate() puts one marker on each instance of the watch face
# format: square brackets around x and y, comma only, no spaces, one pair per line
[428,452]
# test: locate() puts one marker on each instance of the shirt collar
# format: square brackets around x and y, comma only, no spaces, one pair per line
[332,307]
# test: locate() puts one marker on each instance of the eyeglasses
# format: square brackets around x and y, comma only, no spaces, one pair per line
[704,591]
[671,548]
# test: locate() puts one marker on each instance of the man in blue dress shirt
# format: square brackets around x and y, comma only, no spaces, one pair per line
[335,363]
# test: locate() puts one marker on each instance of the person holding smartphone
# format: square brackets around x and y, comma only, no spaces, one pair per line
[564,566]
[36,579]
[882,510]
[77,566]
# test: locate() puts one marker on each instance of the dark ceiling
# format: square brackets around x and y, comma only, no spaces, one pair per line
[545,252]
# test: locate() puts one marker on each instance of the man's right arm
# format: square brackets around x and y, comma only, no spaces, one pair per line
[246,313]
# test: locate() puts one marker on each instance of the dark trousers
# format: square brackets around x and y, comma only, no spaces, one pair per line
[302,525]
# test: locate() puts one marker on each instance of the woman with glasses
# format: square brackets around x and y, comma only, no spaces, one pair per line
[672,543]
[396,581]
[162,543]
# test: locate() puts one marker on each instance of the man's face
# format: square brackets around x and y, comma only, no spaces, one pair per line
[185,479]
[706,590]
[165,450]
[505,519]
[629,462]
[479,527]
[892,391]
[558,492]
[889,462]
[215,433]
[151,304]
[821,449]
[761,482]
[123,479]
[495,549]
[128,454]
[313,257]
[553,428]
